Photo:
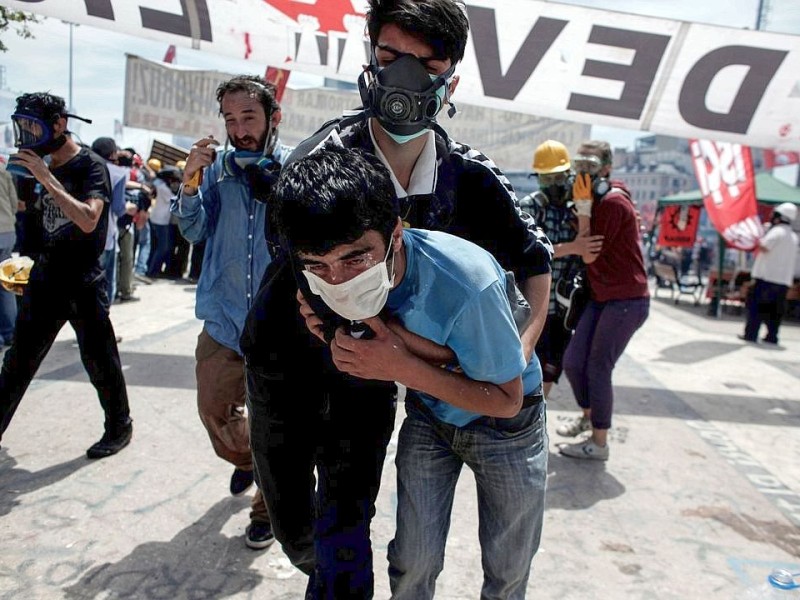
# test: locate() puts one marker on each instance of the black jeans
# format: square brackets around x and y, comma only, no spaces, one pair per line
[44,310]
[341,427]
[304,414]
[766,303]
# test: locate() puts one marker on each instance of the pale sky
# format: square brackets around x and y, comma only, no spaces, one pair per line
[42,63]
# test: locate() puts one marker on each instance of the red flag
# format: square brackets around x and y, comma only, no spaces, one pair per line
[679,225]
[278,78]
[169,57]
[248,48]
[725,174]
[778,158]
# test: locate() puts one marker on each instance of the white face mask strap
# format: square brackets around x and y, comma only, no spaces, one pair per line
[386,259]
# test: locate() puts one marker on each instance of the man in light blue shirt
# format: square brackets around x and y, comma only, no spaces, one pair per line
[430,311]
[223,202]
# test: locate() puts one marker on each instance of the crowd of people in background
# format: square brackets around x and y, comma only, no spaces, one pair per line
[144,242]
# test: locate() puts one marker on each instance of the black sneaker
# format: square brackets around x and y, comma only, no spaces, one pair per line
[241,480]
[258,536]
[111,442]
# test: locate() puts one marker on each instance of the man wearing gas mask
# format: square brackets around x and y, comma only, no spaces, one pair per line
[305,413]
[68,217]
[620,300]
[569,234]
[222,201]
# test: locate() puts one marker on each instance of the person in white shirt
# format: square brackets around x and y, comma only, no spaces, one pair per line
[773,274]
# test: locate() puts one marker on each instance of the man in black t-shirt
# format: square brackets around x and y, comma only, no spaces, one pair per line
[67,283]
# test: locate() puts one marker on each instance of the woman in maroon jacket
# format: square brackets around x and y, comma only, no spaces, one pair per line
[620,300]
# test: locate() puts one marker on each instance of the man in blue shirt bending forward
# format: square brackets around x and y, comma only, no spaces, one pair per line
[430,311]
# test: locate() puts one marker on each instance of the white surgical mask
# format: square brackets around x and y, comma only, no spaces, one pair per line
[362,297]
[404,139]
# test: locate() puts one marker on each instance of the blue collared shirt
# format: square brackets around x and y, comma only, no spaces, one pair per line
[225,215]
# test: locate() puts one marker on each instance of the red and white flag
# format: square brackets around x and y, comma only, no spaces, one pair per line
[279,78]
[779,158]
[725,173]
[679,225]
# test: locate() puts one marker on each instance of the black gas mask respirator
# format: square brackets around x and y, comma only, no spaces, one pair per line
[262,175]
[403,96]
[32,132]
[556,187]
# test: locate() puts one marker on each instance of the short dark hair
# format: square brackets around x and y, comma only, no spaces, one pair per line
[442,24]
[332,197]
[105,147]
[255,86]
[44,105]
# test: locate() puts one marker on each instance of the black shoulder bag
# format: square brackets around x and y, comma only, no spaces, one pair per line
[572,295]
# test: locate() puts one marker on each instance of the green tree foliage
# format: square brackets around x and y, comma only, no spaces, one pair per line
[18,21]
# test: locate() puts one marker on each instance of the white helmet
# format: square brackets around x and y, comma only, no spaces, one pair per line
[787,210]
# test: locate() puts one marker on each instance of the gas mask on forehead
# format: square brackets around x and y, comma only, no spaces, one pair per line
[403,96]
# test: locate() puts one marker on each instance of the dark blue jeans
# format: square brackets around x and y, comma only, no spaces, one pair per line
[603,332]
[509,460]
[765,304]
[160,249]
[143,246]
[8,307]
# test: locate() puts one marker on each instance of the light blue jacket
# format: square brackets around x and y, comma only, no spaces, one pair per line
[225,215]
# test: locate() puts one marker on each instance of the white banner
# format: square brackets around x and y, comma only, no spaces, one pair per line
[183,101]
[168,98]
[528,56]
[508,138]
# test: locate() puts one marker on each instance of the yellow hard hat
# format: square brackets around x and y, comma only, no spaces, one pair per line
[154,164]
[551,157]
[181,164]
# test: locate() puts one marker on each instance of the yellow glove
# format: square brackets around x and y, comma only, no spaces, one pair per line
[582,194]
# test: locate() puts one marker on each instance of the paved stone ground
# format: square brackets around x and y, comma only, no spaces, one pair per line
[700,498]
